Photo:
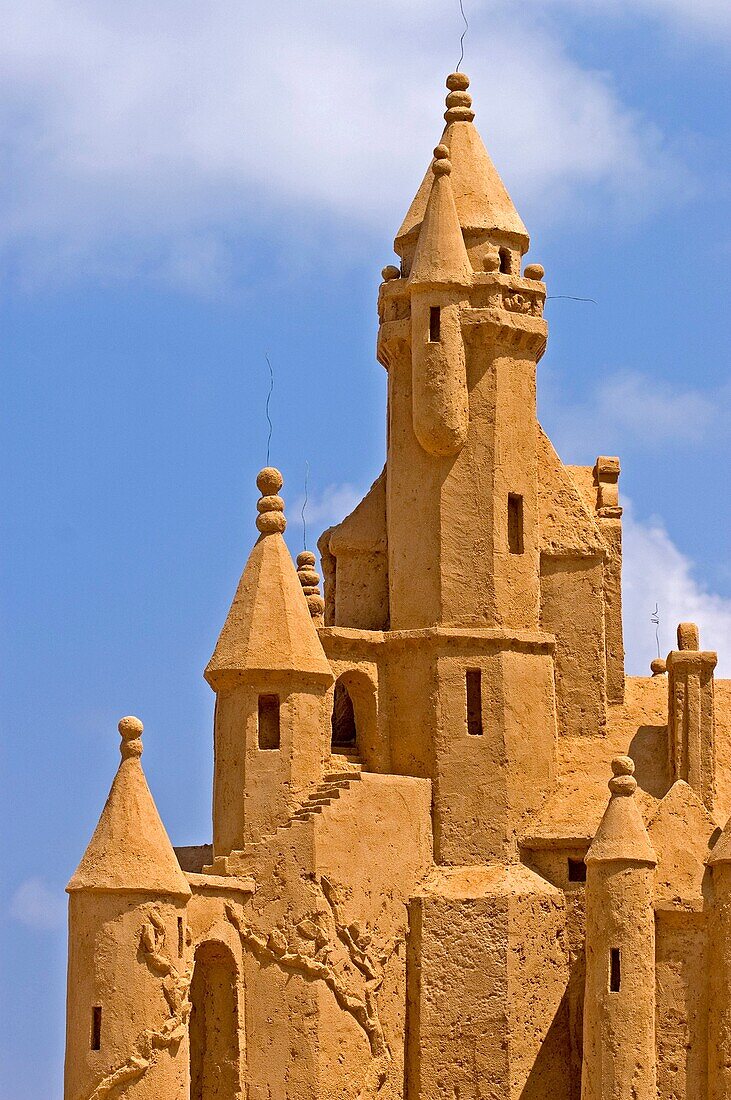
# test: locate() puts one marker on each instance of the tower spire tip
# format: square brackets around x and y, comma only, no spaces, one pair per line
[130,730]
[459,101]
[270,505]
[623,780]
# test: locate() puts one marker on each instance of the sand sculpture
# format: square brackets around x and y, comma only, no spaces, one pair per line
[418,884]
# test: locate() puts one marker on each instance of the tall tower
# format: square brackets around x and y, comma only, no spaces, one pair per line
[619,1002]
[127,1004]
[461,334]
[272,683]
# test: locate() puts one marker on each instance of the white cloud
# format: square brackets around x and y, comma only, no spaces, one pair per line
[631,407]
[36,906]
[657,572]
[324,509]
[140,137]
[707,17]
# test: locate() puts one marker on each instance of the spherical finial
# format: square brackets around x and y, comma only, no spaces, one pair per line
[442,165]
[491,259]
[458,82]
[623,780]
[270,505]
[390,272]
[269,481]
[459,101]
[309,578]
[130,730]
[534,271]
[658,666]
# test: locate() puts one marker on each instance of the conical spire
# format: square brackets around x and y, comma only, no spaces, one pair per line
[130,850]
[269,627]
[621,834]
[441,256]
[480,197]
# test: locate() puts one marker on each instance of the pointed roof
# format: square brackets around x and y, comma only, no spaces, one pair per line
[130,852]
[681,832]
[565,523]
[480,196]
[441,256]
[621,834]
[269,627]
[365,527]
[722,848]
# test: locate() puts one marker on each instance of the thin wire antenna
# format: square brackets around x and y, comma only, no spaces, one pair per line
[461,41]
[304,507]
[572,298]
[269,397]
[655,619]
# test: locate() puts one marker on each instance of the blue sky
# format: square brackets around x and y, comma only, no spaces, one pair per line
[187,186]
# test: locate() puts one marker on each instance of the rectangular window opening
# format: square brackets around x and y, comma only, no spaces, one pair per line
[96,1027]
[435,324]
[268,721]
[615,974]
[181,937]
[515,523]
[577,870]
[474,702]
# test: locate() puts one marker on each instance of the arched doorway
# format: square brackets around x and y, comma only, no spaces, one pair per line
[344,731]
[214,1040]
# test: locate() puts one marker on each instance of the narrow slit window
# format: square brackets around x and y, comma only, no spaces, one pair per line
[96,1027]
[515,523]
[435,324]
[181,937]
[506,262]
[474,702]
[577,870]
[268,721]
[615,970]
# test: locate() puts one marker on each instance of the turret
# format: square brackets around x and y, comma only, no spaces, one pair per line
[128,981]
[461,333]
[691,721]
[619,1000]
[272,683]
[719,969]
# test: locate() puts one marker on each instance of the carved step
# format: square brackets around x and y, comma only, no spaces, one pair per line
[218,867]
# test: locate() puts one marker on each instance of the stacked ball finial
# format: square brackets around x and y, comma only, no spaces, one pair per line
[270,505]
[441,165]
[130,730]
[459,101]
[623,780]
[310,580]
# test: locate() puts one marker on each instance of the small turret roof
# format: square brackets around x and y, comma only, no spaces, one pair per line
[441,256]
[130,850]
[480,196]
[721,852]
[621,834]
[269,627]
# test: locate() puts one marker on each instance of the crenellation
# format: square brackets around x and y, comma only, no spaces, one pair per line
[417,885]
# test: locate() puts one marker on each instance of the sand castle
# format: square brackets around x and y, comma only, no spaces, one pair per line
[419,885]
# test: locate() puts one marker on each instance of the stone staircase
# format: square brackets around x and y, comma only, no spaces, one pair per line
[345,770]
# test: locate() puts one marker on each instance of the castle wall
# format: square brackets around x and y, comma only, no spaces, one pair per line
[486,1009]
[682,1005]
[572,608]
[509,772]
[255,789]
[111,970]
[361,590]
